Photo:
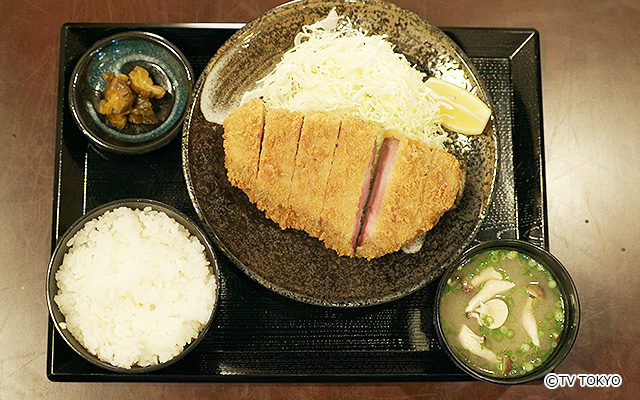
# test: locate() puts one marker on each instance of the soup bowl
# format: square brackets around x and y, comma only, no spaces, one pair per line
[507,312]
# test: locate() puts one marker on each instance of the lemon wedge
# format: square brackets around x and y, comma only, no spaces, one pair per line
[461,111]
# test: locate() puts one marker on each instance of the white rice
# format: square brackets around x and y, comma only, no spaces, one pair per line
[135,287]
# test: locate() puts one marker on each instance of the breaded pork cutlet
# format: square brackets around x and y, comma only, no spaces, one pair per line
[348,184]
[313,162]
[242,136]
[277,162]
[414,186]
[313,172]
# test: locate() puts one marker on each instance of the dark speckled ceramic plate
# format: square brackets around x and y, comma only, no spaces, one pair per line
[290,262]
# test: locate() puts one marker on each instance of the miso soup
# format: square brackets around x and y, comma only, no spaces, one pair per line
[502,313]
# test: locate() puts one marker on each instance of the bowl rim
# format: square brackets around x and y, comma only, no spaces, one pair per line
[133,148]
[569,291]
[136,203]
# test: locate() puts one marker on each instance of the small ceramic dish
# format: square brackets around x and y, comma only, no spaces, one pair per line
[121,53]
[507,312]
[58,257]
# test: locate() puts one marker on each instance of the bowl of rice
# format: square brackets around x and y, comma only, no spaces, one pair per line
[132,286]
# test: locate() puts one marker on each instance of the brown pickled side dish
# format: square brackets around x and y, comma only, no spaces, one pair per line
[142,112]
[141,83]
[118,99]
[127,98]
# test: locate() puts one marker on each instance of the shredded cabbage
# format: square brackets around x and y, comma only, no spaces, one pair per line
[335,67]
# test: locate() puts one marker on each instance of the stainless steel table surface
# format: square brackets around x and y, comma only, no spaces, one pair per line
[591,99]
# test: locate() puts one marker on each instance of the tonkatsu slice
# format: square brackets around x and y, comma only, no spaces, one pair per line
[413,187]
[277,162]
[316,147]
[243,129]
[348,184]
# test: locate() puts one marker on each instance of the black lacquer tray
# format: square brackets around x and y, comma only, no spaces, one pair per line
[261,336]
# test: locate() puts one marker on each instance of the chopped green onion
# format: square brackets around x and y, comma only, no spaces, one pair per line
[559,315]
[509,300]
[535,302]
[464,353]
[552,284]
